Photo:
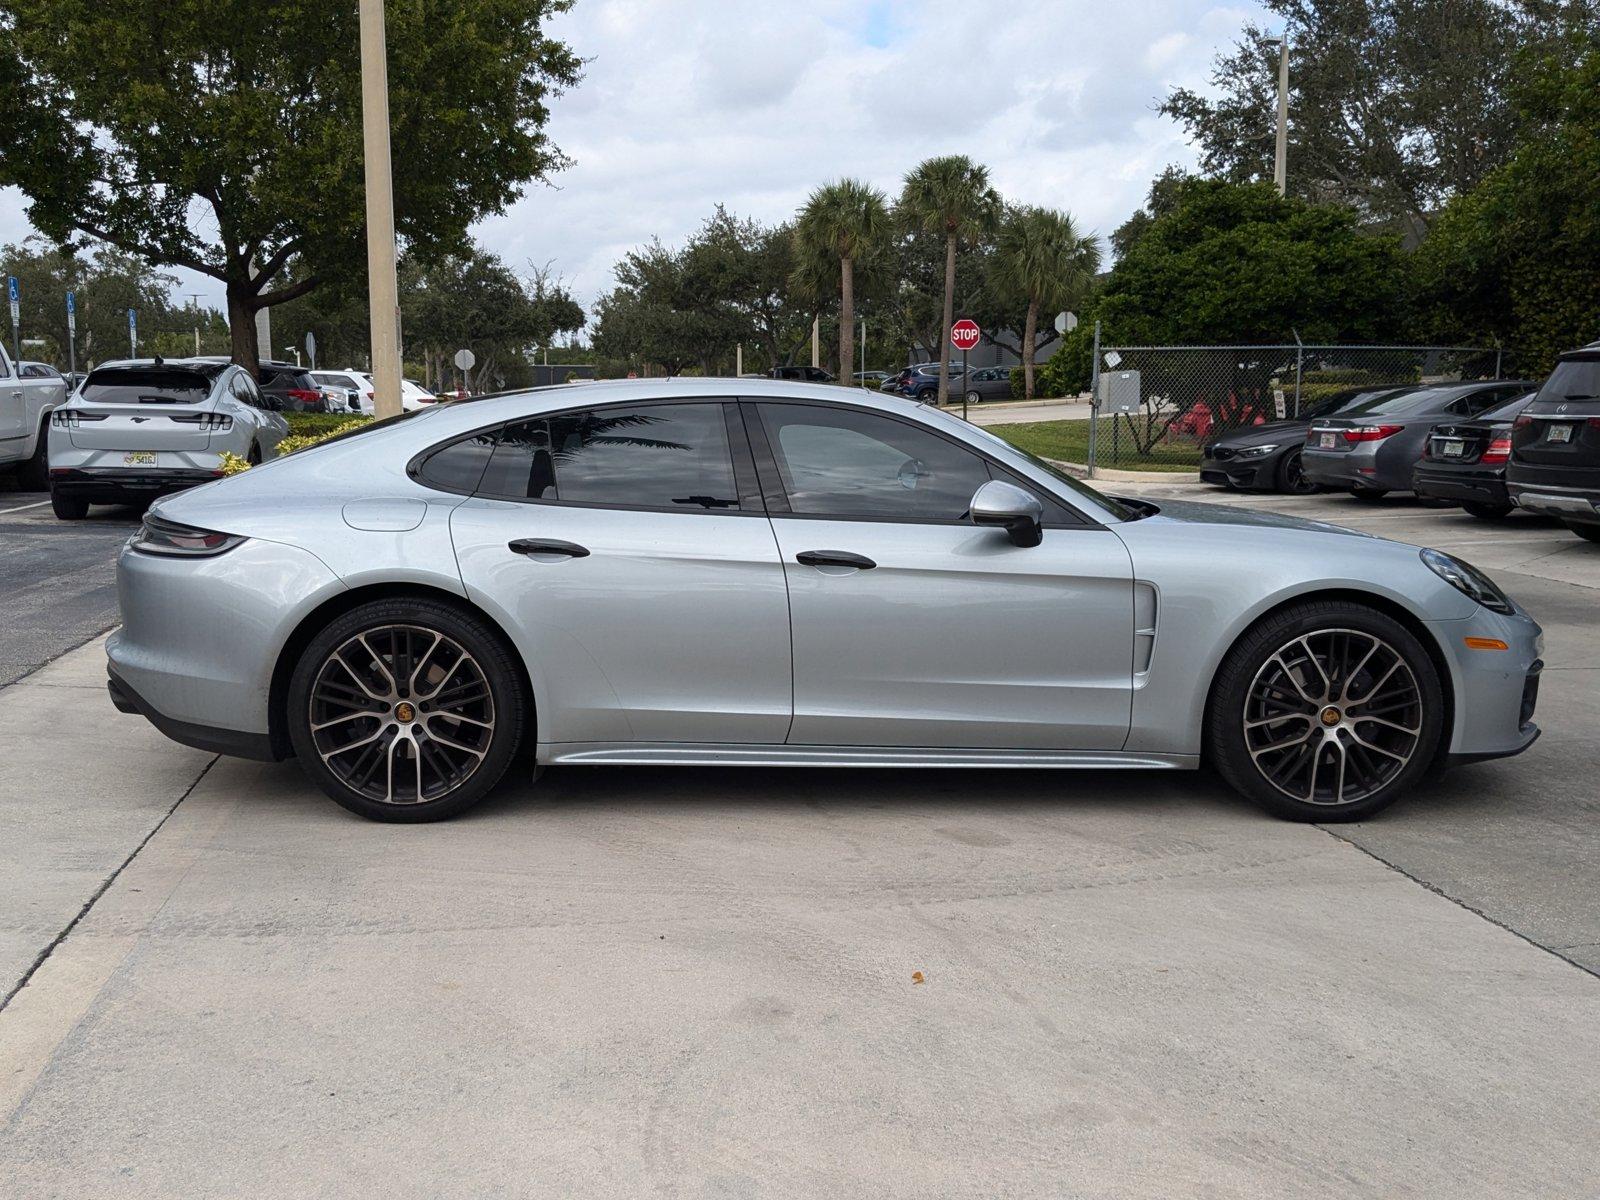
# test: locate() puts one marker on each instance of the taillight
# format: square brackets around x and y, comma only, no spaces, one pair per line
[1371,433]
[305,396]
[71,418]
[157,536]
[1499,450]
[211,422]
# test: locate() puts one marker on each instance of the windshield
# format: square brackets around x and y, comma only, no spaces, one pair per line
[1574,379]
[1095,500]
[151,385]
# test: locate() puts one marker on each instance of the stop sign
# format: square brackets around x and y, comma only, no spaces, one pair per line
[964,334]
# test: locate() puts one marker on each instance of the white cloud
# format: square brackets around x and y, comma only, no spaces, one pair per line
[688,103]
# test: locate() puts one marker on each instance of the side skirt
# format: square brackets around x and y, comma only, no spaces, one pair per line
[727,755]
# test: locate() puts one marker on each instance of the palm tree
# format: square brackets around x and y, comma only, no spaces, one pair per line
[1040,256]
[950,195]
[842,223]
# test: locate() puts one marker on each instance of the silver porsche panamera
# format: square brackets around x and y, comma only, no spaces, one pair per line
[702,571]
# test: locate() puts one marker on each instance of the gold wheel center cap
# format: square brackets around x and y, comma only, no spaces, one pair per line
[405,711]
[1331,716]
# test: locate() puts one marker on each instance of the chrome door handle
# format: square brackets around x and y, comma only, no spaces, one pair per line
[834,558]
[551,546]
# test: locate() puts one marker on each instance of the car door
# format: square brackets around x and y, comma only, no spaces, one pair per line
[268,427]
[911,626]
[627,546]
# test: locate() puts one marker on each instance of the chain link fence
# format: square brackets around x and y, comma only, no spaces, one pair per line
[1158,406]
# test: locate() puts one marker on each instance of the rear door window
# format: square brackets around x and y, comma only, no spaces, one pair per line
[673,457]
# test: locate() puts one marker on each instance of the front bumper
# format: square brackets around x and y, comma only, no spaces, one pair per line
[1495,690]
[120,486]
[1249,473]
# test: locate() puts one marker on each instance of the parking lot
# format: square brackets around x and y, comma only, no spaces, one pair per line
[628,982]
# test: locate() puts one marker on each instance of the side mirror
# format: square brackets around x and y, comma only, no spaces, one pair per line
[1012,509]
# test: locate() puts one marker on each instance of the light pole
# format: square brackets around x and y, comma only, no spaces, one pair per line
[383,288]
[1280,155]
[194,300]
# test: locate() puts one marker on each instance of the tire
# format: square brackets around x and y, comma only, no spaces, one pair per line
[1370,495]
[974,398]
[1588,532]
[1486,512]
[34,474]
[432,764]
[1291,478]
[1273,677]
[68,508]
[924,393]
[254,457]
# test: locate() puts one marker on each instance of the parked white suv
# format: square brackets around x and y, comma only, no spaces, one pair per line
[138,429]
[25,405]
[357,385]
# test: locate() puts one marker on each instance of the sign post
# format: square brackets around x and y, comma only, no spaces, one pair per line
[964,335]
[311,349]
[14,292]
[464,360]
[72,333]
[133,333]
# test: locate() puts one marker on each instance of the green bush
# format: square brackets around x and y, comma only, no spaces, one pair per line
[303,424]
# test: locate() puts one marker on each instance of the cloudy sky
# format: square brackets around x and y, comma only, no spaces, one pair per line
[688,103]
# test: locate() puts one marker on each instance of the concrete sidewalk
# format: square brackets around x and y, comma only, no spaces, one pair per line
[703,983]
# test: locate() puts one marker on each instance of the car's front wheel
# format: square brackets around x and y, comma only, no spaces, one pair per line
[1326,711]
[974,398]
[1292,476]
[406,709]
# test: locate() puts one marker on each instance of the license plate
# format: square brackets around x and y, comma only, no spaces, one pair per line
[1327,441]
[139,458]
[1560,433]
[1453,448]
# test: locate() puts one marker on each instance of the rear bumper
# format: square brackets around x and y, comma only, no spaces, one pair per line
[1569,504]
[114,486]
[1482,486]
[235,742]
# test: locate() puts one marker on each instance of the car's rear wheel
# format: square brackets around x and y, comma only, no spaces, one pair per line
[1292,476]
[1487,512]
[1326,711]
[406,710]
[1369,494]
[974,398]
[1590,533]
[68,508]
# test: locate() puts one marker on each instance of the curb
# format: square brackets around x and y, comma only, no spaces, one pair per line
[1112,475]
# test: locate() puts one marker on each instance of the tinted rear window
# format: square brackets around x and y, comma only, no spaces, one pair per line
[1572,380]
[151,385]
[1400,404]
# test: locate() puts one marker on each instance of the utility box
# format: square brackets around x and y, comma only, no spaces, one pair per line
[1119,391]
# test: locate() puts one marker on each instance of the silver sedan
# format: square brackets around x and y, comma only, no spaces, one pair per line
[762,572]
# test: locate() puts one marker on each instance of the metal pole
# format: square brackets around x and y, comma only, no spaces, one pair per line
[738,359]
[1497,358]
[815,360]
[1094,399]
[383,288]
[1299,359]
[863,351]
[72,335]
[194,297]
[963,385]
[1280,157]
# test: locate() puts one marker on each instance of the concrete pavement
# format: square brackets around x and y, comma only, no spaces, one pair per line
[702,983]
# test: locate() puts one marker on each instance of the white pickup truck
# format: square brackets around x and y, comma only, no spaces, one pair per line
[25,404]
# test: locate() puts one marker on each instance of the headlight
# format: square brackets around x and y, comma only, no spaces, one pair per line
[1257,451]
[1467,580]
[157,536]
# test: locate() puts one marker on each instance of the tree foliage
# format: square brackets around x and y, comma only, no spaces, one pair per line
[1238,263]
[1395,105]
[209,134]
[841,224]
[1041,259]
[1518,258]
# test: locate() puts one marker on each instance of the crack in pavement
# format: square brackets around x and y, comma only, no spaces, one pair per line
[1553,951]
[44,955]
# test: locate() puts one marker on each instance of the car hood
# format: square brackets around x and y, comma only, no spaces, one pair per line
[1261,435]
[1188,512]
